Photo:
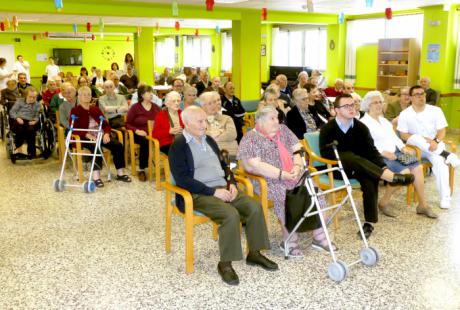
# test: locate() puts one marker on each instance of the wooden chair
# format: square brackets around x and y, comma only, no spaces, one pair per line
[155,156]
[60,138]
[191,217]
[132,148]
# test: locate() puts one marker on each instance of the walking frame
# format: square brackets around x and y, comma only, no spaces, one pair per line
[337,270]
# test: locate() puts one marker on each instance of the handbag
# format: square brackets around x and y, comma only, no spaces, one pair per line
[407,159]
[297,202]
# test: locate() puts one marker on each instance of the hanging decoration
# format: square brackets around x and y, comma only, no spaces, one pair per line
[75,28]
[41,36]
[7,23]
[127,39]
[15,23]
[264,13]
[341,18]
[177,25]
[93,37]
[139,31]
[59,5]
[197,32]
[47,34]
[388,13]
[84,39]
[157,26]
[175,8]
[209,5]
[34,37]
[310,6]
[88,27]
[217,29]
[2,26]
[369,3]
[101,27]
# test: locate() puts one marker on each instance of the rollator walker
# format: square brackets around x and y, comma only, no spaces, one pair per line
[88,186]
[337,270]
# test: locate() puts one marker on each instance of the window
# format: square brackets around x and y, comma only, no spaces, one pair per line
[197,51]
[165,52]
[299,47]
[227,50]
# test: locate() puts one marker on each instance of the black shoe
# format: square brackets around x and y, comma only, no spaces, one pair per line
[402,179]
[227,273]
[367,229]
[257,259]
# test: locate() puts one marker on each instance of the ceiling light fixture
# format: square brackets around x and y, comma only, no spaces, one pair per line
[230,1]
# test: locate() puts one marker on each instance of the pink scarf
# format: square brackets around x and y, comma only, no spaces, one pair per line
[285,156]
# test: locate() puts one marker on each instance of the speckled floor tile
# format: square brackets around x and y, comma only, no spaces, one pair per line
[106,250]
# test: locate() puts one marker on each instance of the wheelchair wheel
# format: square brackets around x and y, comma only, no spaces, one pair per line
[47,139]
[2,126]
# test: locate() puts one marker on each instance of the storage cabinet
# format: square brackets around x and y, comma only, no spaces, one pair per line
[398,63]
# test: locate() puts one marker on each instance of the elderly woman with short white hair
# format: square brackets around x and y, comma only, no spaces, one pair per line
[268,151]
[219,126]
[168,122]
[392,149]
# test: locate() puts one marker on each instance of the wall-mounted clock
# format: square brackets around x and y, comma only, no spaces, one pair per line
[108,53]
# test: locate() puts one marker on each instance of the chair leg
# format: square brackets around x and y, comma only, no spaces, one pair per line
[157,172]
[132,158]
[189,243]
[451,179]
[215,228]
[410,193]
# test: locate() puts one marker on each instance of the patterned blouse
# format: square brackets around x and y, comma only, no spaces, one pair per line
[255,145]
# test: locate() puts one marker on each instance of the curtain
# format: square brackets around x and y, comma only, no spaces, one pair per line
[350,54]
[165,52]
[226,52]
[316,49]
[197,51]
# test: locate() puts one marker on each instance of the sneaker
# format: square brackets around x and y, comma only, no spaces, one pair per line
[445,203]
[453,160]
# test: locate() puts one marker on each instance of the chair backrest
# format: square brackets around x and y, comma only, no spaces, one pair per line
[250,105]
[168,175]
[312,142]
[150,127]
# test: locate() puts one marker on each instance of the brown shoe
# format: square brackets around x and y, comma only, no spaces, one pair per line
[427,212]
[141,175]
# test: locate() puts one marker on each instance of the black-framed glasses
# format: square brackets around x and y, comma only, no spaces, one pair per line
[347,106]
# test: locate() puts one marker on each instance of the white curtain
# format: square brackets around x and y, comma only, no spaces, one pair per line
[457,64]
[165,52]
[197,51]
[316,49]
[350,54]
[227,51]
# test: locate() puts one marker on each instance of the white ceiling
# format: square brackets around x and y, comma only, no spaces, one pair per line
[320,6]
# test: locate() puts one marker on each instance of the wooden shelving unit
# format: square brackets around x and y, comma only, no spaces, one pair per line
[398,63]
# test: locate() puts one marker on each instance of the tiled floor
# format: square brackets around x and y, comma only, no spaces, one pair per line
[106,250]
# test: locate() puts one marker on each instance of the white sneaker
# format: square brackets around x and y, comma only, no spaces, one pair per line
[453,160]
[445,203]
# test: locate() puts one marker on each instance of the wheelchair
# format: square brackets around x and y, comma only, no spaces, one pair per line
[45,140]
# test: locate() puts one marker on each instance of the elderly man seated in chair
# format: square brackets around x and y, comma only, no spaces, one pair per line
[197,166]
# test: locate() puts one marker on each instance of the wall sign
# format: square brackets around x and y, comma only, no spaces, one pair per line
[432,54]
[263,50]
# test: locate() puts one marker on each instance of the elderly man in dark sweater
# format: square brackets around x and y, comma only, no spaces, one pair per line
[359,157]
[197,166]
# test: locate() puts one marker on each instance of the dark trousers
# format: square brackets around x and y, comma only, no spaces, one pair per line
[143,151]
[115,147]
[27,133]
[165,148]
[368,175]
[228,216]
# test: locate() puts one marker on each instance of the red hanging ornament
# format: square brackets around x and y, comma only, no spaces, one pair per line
[209,5]
[93,37]
[177,26]
[47,34]
[88,27]
[264,13]
[388,13]
[35,37]
[2,26]
[197,32]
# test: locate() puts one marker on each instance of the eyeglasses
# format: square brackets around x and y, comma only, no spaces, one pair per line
[419,95]
[347,106]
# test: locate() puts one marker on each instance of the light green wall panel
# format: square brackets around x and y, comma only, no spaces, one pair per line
[366,66]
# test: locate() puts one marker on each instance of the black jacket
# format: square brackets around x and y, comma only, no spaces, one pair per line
[182,168]
[296,123]
[234,108]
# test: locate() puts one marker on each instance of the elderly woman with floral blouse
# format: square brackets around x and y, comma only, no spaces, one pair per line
[268,151]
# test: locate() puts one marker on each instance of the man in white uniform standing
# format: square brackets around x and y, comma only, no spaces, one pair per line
[22,66]
[424,126]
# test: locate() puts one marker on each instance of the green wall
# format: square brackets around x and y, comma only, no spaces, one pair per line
[366,66]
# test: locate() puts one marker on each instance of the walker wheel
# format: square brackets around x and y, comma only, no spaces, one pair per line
[59,185]
[337,271]
[88,187]
[369,256]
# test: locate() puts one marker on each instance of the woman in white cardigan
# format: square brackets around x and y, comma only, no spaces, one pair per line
[391,146]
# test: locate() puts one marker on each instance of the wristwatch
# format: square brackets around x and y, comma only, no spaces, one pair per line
[437,140]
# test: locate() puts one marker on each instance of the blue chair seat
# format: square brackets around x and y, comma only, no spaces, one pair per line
[324,179]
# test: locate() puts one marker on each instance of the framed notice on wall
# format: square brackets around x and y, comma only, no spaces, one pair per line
[432,54]
[263,50]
